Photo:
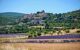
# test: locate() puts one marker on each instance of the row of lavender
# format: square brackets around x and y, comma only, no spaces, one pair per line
[56,39]
[44,37]
[12,35]
[59,36]
[52,41]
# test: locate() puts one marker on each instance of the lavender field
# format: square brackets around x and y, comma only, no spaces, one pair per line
[22,38]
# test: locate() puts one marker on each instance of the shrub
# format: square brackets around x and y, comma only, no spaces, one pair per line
[78,31]
[67,31]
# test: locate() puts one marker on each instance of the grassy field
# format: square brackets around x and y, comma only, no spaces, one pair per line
[40,46]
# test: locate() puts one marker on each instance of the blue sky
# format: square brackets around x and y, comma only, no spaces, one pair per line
[32,6]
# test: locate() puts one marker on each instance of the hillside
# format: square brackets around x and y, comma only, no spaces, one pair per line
[9,17]
[36,24]
[69,19]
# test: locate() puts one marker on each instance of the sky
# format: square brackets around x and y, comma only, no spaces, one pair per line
[32,6]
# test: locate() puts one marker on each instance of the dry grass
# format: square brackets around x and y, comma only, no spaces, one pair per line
[40,46]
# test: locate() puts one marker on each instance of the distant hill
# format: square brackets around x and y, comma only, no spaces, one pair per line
[69,19]
[9,17]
